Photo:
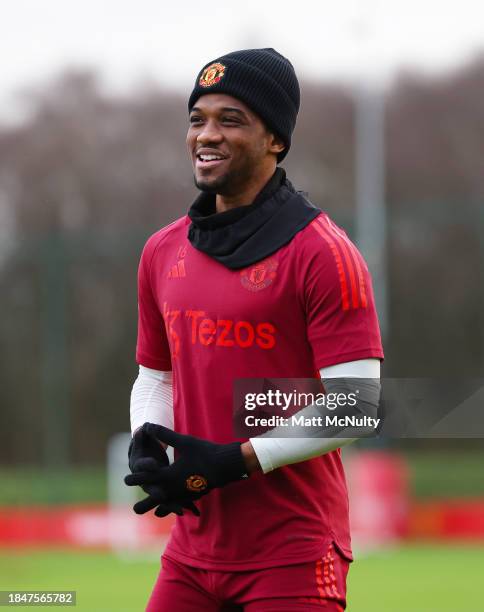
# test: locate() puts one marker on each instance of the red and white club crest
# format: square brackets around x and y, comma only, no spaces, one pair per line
[212,74]
[260,275]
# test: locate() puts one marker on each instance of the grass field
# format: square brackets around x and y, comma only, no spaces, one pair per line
[434,475]
[423,578]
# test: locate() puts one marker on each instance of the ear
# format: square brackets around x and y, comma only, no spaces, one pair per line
[276,144]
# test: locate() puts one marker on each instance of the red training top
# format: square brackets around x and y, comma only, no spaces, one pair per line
[307,306]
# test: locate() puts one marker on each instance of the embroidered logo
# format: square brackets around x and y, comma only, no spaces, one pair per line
[196,483]
[260,275]
[178,270]
[212,75]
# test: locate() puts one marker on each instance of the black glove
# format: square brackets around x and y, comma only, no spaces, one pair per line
[145,455]
[201,466]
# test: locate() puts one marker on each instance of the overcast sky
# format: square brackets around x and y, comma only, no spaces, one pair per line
[129,41]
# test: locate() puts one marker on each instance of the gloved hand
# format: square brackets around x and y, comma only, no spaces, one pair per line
[200,467]
[146,455]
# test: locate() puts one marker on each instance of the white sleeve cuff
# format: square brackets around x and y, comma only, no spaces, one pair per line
[152,399]
[273,453]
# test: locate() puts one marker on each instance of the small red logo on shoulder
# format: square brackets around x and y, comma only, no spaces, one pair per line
[178,269]
[260,275]
[212,74]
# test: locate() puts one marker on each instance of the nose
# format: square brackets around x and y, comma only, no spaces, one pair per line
[209,133]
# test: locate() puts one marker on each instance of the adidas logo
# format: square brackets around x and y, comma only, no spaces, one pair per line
[178,269]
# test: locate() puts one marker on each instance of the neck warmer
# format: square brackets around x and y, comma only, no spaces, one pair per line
[242,236]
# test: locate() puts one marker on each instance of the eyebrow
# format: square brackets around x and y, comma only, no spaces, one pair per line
[225,109]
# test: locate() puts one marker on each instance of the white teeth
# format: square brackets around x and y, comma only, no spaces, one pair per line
[209,157]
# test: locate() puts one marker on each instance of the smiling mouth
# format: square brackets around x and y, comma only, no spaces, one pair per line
[209,161]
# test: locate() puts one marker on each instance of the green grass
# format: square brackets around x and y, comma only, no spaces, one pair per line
[103,582]
[437,578]
[414,578]
[435,474]
[30,485]
[442,474]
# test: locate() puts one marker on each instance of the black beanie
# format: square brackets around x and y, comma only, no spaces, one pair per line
[262,78]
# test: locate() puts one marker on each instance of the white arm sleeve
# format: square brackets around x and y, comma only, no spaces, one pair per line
[273,453]
[152,398]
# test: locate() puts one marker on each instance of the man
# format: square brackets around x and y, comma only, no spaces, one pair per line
[254,282]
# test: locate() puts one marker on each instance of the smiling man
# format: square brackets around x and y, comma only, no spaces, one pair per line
[254,282]
[230,153]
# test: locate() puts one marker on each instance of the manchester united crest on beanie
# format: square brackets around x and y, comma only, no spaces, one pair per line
[263,79]
[212,74]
